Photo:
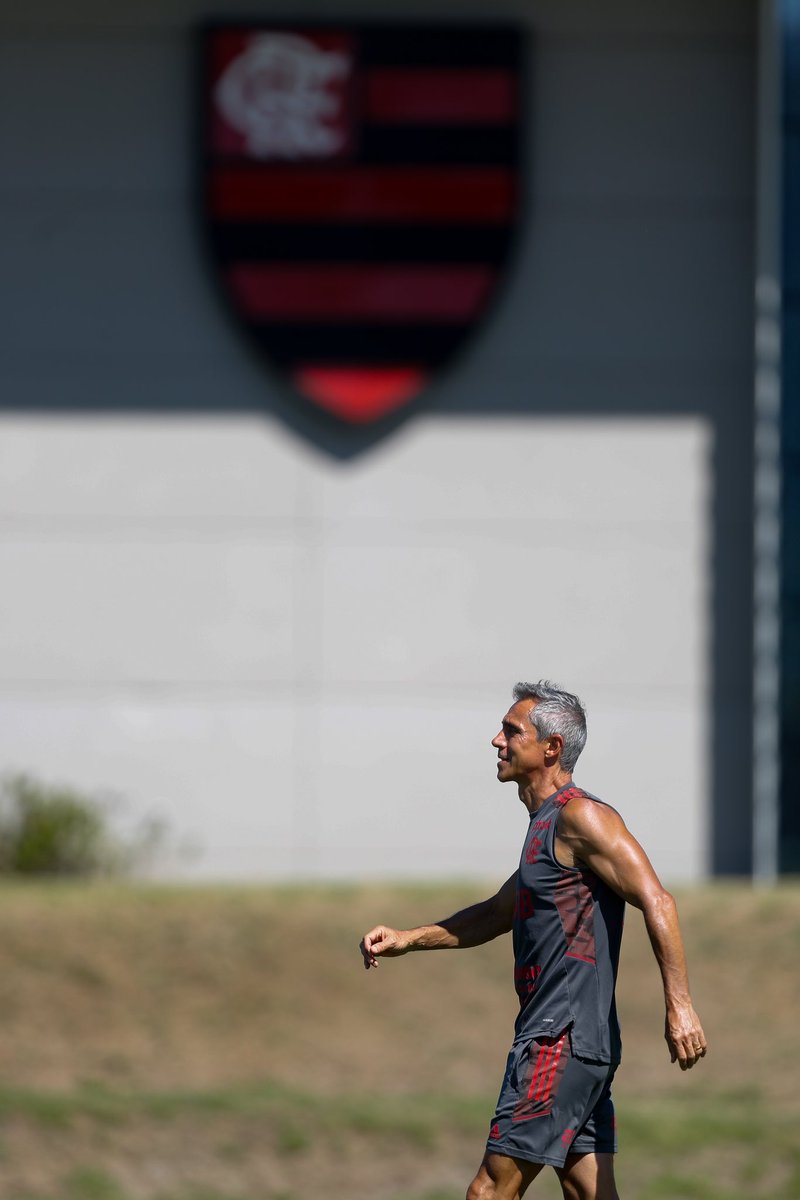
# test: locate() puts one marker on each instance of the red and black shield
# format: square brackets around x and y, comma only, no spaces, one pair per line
[361,190]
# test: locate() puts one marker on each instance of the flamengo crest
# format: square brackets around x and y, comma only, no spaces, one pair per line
[361,188]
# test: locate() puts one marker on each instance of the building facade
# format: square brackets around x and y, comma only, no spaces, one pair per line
[298,658]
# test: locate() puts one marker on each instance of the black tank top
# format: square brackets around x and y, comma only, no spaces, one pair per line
[567,933]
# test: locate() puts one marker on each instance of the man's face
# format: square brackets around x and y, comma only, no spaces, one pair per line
[520,754]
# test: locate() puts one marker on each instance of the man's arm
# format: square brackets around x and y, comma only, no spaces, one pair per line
[470,927]
[596,836]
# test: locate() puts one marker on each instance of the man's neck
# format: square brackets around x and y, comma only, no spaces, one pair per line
[535,792]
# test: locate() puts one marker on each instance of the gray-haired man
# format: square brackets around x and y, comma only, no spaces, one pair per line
[565,905]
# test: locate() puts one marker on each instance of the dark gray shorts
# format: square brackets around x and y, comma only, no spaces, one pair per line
[553,1104]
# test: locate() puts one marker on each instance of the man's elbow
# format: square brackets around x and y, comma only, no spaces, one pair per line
[658,905]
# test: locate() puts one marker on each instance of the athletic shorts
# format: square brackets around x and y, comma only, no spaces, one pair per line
[552,1104]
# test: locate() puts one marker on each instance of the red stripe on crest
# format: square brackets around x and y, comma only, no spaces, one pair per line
[281,292]
[359,394]
[444,96]
[458,194]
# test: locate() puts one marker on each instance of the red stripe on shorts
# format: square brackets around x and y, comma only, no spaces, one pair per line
[551,1077]
[543,1054]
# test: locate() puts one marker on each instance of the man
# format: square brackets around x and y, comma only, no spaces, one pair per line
[565,906]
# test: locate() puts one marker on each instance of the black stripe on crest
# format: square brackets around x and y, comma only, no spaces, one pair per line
[468,145]
[253,242]
[288,343]
[439,46]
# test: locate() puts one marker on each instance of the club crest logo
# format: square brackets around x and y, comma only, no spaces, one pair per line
[360,193]
[282,97]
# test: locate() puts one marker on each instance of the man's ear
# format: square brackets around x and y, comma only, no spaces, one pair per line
[555,744]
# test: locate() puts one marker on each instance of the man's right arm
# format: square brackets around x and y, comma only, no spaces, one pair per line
[469,927]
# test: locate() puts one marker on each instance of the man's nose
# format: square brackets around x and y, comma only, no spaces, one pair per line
[497,740]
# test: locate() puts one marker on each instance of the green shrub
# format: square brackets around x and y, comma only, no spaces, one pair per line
[54,830]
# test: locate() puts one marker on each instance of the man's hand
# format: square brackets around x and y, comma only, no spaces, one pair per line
[684,1037]
[470,926]
[383,942]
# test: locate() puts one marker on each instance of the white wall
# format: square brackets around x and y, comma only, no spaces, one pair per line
[299,662]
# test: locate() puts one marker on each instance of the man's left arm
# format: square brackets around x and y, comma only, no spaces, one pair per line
[597,837]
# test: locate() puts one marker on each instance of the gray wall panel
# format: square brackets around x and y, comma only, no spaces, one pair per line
[713,20]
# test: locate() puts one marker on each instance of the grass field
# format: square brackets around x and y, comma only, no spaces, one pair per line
[226,1044]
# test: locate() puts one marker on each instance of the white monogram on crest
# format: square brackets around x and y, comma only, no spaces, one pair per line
[275,94]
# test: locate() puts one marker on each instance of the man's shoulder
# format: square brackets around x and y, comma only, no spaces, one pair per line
[574,797]
[580,810]
[572,793]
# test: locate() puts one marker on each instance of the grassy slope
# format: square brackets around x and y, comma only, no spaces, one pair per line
[221,1044]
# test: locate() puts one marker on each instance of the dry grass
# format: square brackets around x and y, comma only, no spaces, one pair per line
[220,1044]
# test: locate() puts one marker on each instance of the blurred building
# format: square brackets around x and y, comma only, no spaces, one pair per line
[298,656]
[785,34]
